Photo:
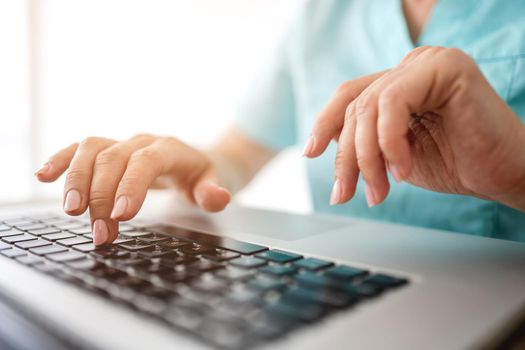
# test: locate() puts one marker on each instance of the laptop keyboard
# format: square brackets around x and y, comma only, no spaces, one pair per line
[229,293]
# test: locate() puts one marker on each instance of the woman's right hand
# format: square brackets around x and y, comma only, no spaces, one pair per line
[112,178]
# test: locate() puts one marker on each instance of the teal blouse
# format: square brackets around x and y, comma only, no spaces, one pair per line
[336,40]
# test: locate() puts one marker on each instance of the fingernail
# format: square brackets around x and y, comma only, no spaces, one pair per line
[395,172]
[43,169]
[370,196]
[308,147]
[100,232]
[120,207]
[72,201]
[335,197]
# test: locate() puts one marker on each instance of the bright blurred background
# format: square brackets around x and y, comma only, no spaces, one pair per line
[76,68]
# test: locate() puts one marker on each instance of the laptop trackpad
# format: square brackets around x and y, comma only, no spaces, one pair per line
[236,221]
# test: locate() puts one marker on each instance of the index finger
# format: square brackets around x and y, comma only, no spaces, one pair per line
[331,119]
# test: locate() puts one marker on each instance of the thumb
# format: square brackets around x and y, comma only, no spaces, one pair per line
[209,195]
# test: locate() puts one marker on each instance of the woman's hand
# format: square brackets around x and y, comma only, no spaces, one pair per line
[433,121]
[112,178]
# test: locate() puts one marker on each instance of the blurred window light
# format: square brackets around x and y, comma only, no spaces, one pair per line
[115,68]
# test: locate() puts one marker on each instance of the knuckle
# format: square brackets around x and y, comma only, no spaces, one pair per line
[386,142]
[363,105]
[129,183]
[457,58]
[109,157]
[143,136]
[343,87]
[90,142]
[365,160]
[147,155]
[98,199]
[389,95]
[75,176]
[349,111]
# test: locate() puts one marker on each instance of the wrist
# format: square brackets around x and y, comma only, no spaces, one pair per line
[515,196]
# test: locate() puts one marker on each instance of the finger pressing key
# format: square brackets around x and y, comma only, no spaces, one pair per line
[110,165]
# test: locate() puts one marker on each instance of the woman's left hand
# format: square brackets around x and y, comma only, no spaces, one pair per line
[432,121]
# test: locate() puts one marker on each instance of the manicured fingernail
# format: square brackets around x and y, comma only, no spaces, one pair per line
[395,172]
[43,169]
[120,207]
[370,196]
[100,232]
[72,201]
[309,146]
[335,197]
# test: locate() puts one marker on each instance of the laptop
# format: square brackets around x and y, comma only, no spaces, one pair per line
[177,278]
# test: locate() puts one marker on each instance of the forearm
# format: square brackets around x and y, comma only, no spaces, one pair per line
[237,159]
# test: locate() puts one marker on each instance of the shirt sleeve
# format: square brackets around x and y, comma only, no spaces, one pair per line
[267,112]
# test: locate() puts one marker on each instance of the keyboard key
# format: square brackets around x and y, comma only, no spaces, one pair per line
[11,232]
[384,281]
[66,256]
[210,285]
[137,246]
[306,312]
[217,241]
[29,259]
[86,247]
[278,256]
[204,266]
[31,226]
[4,246]
[85,264]
[71,225]
[18,238]
[44,231]
[49,249]
[48,267]
[264,284]
[247,262]
[73,241]
[18,221]
[220,255]
[83,230]
[120,239]
[135,234]
[13,252]
[345,273]
[185,318]
[235,274]
[171,261]
[57,236]
[32,244]
[156,253]
[174,243]
[196,249]
[279,270]
[176,276]
[321,296]
[132,282]
[153,238]
[4,227]
[312,264]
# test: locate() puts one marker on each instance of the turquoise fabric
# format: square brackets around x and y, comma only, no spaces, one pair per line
[336,40]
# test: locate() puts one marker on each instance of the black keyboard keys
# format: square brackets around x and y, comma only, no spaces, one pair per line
[312,264]
[279,256]
[18,238]
[32,243]
[345,273]
[247,262]
[48,249]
